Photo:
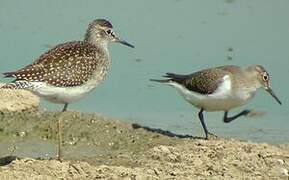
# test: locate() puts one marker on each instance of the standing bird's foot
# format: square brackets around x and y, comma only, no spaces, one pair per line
[65,107]
[58,158]
[59,133]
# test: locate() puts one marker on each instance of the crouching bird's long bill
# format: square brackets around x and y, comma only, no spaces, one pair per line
[220,89]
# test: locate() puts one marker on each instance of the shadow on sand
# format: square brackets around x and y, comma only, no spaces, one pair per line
[164,132]
[7,160]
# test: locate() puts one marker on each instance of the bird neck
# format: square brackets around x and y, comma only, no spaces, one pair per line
[246,85]
[252,78]
[94,38]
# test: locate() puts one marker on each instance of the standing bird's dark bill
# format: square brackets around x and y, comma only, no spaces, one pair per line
[123,42]
[126,43]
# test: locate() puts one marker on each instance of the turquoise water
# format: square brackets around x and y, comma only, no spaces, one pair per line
[180,36]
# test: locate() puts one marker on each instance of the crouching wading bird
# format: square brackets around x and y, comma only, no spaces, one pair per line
[220,89]
[69,71]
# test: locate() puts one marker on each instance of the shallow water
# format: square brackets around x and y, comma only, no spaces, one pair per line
[180,36]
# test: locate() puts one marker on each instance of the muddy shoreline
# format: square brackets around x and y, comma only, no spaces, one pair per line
[99,147]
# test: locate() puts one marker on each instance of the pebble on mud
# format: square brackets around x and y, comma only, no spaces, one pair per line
[17,100]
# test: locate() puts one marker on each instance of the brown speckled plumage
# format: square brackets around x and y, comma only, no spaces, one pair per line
[68,64]
[205,81]
[79,64]
[71,63]
[69,71]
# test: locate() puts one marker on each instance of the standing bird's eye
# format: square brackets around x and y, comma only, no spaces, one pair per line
[108,31]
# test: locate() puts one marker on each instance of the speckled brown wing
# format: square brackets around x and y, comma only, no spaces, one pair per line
[203,82]
[68,64]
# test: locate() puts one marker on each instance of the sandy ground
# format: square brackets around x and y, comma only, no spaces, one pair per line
[96,147]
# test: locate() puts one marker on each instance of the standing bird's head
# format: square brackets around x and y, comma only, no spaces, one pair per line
[100,31]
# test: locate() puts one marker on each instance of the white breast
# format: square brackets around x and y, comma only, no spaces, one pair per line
[222,99]
[63,95]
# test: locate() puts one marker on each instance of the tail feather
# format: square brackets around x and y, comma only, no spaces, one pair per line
[176,76]
[172,78]
[161,80]
[16,85]
[8,74]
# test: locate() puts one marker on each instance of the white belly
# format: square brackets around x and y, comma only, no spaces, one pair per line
[221,100]
[62,95]
[218,104]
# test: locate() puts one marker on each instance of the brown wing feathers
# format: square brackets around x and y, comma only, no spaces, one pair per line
[203,82]
[68,64]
